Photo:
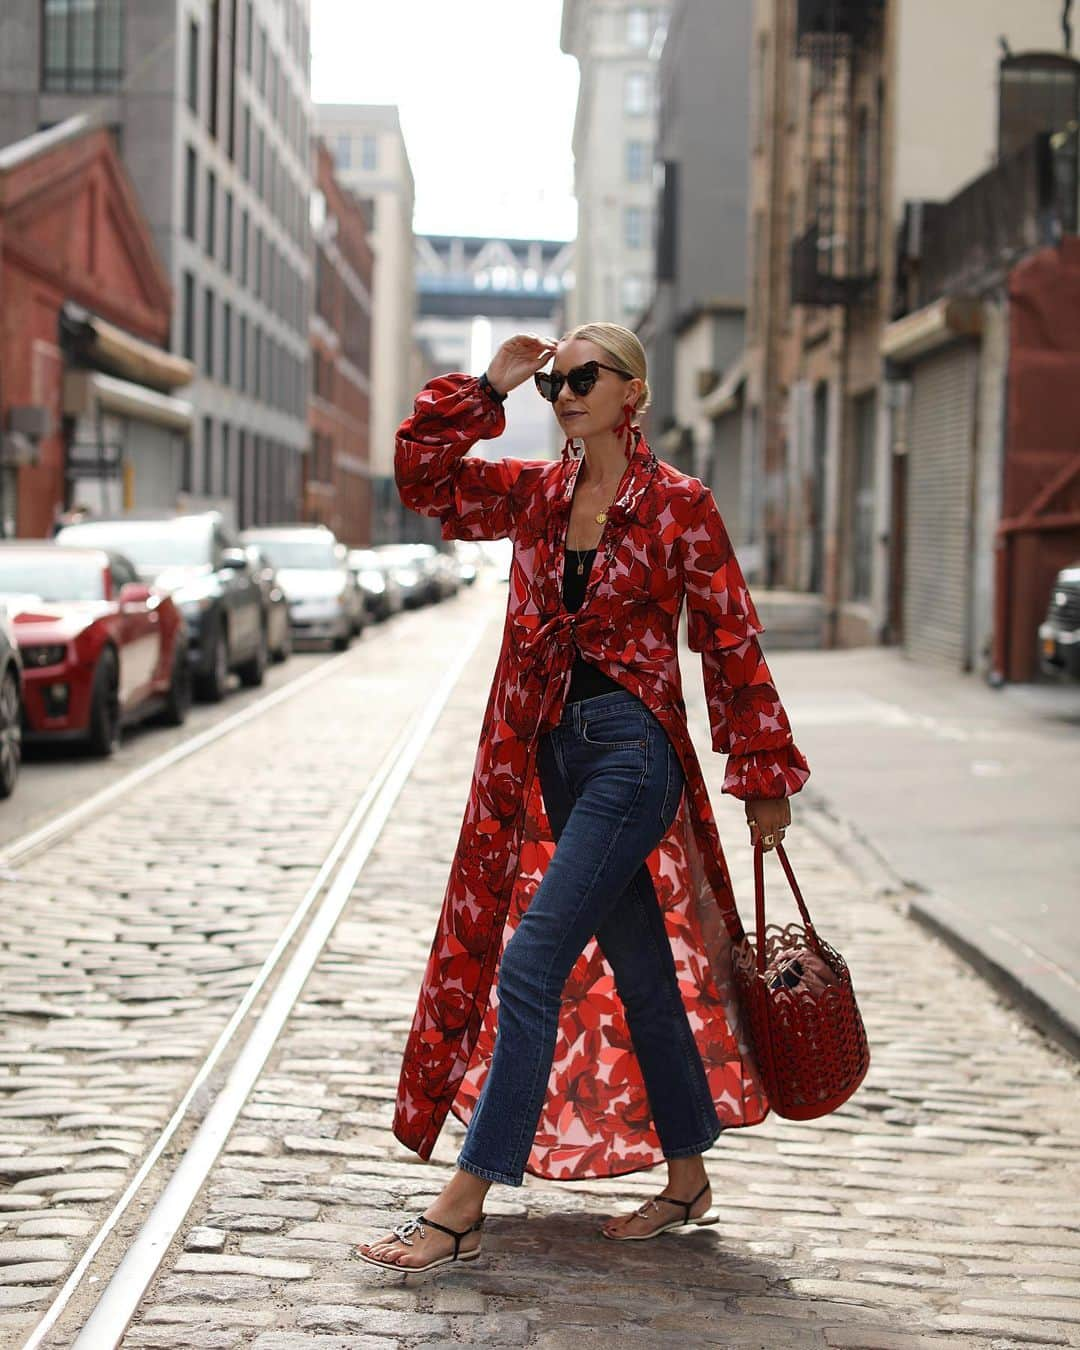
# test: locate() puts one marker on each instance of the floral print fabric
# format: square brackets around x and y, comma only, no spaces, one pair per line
[664,542]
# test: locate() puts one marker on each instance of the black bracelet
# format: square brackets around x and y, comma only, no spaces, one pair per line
[486,385]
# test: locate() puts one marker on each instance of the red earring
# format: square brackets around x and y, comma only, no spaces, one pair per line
[568,449]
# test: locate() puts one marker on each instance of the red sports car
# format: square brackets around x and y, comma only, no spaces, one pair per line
[99,648]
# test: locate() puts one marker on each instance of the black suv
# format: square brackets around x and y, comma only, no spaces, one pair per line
[1059,632]
[199,560]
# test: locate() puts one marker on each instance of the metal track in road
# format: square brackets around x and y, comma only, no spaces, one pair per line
[122,1294]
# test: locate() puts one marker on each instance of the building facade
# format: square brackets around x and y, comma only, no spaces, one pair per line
[371,160]
[337,478]
[694,328]
[89,409]
[210,107]
[617,47]
[875,434]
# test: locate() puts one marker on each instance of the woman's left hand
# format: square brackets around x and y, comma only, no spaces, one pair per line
[767,816]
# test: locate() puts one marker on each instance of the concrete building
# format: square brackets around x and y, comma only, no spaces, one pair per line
[210,106]
[694,329]
[88,409]
[617,47]
[371,160]
[337,477]
[877,450]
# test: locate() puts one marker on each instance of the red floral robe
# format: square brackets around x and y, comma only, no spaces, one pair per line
[664,539]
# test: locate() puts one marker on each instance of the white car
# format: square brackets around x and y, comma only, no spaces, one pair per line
[325,604]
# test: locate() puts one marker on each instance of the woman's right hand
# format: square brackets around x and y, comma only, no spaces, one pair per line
[518,359]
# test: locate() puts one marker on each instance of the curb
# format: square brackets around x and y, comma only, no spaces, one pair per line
[994,954]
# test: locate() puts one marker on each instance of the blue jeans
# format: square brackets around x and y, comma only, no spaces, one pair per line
[611,781]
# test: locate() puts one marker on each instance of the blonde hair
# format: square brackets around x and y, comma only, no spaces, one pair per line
[623,345]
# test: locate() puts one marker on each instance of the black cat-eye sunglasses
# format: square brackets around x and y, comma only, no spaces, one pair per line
[581,379]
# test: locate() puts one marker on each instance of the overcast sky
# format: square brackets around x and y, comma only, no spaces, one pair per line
[486,100]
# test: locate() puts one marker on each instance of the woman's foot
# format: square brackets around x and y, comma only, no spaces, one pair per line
[684,1184]
[459,1206]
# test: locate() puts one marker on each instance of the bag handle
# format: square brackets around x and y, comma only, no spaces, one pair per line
[759,900]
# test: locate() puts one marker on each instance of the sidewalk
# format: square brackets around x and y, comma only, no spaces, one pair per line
[937,1208]
[962,799]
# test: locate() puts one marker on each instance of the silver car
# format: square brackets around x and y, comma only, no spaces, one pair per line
[312,569]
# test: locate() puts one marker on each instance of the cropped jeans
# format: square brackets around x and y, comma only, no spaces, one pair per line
[611,782]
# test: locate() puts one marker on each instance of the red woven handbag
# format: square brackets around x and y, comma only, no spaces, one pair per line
[799,1010]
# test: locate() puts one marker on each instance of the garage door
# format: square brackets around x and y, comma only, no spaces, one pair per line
[937,553]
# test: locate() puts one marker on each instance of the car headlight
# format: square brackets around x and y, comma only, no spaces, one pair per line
[43,654]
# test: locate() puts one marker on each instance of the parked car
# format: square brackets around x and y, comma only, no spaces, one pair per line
[11,704]
[418,570]
[100,649]
[198,560]
[275,603]
[412,581]
[324,602]
[376,581]
[469,558]
[1059,633]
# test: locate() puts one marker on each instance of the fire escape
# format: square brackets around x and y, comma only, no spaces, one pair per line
[834,260]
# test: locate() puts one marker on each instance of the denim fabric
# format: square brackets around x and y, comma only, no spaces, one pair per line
[611,781]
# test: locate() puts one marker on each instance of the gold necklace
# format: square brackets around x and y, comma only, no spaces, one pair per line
[580,554]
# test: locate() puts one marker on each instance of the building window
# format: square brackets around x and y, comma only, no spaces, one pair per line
[226,343]
[227,246]
[257,346]
[633,296]
[634,226]
[343,151]
[249,34]
[211,212]
[637,26]
[226,460]
[636,94]
[188,338]
[260,167]
[208,454]
[256,248]
[243,268]
[862,496]
[637,164]
[208,332]
[246,152]
[261,76]
[241,354]
[667,244]
[191,192]
[193,67]
[369,152]
[83,46]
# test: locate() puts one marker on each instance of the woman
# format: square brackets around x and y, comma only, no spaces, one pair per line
[577,1010]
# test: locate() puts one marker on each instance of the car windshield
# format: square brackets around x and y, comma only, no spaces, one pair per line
[302,553]
[148,543]
[53,579]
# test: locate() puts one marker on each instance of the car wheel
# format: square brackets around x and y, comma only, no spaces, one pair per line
[178,699]
[213,685]
[10,734]
[252,672]
[284,650]
[341,642]
[105,705]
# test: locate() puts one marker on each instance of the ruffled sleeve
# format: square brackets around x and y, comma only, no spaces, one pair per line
[747,719]
[473,498]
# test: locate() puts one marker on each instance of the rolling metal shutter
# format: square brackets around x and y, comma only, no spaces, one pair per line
[937,549]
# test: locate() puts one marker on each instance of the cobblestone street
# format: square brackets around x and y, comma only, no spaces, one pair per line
[938,1207]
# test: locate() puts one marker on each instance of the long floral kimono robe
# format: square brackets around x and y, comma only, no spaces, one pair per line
[663,539]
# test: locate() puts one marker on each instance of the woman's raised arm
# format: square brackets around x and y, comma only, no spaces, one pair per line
[474,498]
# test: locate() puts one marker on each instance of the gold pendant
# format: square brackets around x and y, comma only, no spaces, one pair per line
[601,517]
[581,569]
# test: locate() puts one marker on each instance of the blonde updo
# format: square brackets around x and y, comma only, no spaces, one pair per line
[624,347]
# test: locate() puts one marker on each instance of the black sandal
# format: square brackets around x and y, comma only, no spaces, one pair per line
[687,1205]
[404,1231]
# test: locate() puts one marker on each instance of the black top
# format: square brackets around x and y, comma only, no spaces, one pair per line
[585,679]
